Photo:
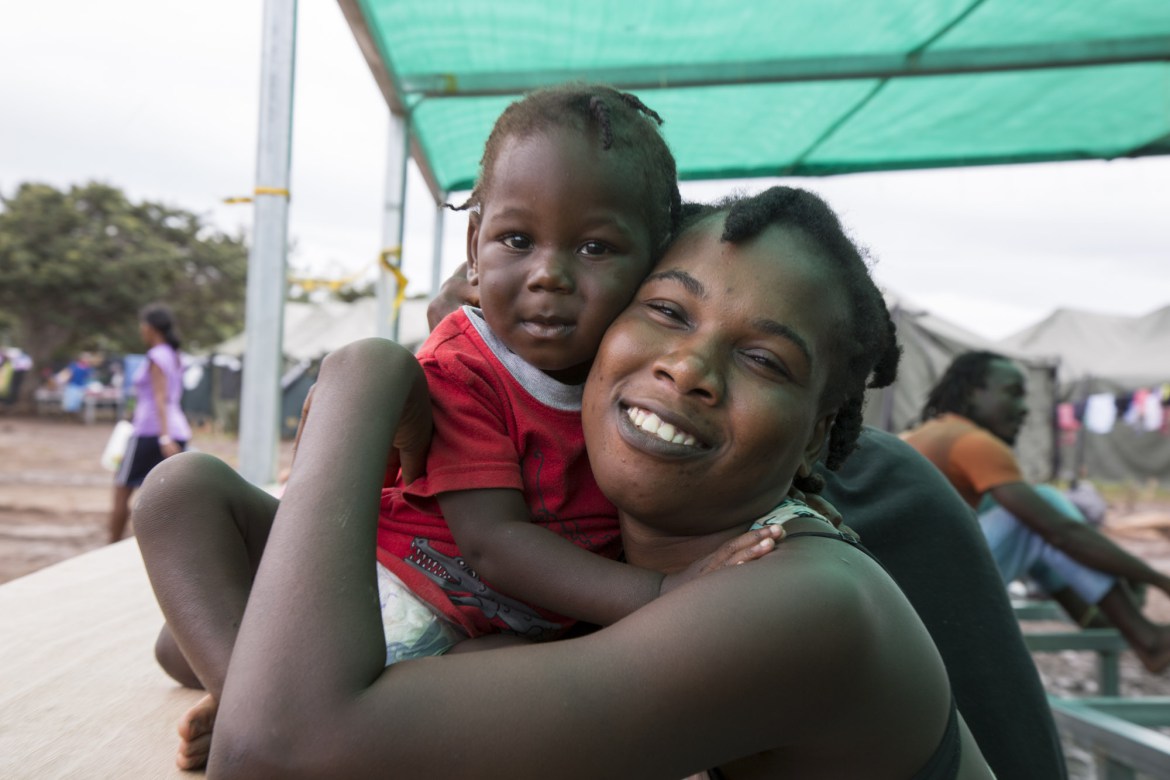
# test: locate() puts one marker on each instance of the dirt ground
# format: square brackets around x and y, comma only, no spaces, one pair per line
[54,499]
[55,496]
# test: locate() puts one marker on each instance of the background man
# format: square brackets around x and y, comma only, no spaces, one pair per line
[970,421]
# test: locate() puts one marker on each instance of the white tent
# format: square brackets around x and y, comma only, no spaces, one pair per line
[1101,352]
[311,330]
[1118,355]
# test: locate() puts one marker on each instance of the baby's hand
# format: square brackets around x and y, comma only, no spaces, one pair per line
[743,548]
[817,503]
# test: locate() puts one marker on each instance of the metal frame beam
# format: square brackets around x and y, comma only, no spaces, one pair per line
[1121,747]
[883,66]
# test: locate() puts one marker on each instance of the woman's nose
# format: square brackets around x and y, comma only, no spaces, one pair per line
[552,271]
[694,370]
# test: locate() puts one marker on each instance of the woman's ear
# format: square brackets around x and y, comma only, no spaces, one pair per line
[816,444]
[473,248]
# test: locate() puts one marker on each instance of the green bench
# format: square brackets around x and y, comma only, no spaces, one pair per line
[1107,643]
[1119,732]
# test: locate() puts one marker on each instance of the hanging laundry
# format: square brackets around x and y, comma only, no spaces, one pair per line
[1152,414]
[1067,423]
[1100,412]
[1066,417]
[1136,408]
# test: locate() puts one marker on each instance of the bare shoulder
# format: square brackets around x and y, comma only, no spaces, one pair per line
[798,615]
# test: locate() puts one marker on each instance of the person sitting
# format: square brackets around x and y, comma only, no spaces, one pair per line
[969,423]
[756,336]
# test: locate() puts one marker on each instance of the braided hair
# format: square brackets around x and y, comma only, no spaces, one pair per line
[866,346]
[952,393]
[159,317]
[623,124]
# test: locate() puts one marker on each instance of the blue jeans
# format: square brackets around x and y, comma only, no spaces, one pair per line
[1018,550]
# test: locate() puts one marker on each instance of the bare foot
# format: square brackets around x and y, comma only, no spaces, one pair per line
[1156,656]
[195,733]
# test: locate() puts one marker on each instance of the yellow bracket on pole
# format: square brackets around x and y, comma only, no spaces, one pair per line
[281,191]
[384,261]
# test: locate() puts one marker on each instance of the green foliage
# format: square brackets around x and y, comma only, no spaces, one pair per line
[76,266]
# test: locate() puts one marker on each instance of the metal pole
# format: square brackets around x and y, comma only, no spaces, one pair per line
[437,257]
[397,153]
[264,315]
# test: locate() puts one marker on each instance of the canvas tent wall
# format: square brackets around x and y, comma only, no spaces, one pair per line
[929,344]
[1103,353]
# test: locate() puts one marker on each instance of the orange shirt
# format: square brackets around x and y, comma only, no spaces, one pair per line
[974,460]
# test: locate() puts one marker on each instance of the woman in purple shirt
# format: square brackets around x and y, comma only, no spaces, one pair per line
[160,427]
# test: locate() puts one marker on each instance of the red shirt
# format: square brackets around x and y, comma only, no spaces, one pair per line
[499,423]
[973,459]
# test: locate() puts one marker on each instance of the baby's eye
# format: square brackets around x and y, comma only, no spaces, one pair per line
[594,248]
[516,241]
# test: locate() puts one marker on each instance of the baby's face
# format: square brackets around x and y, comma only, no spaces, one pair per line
[558,248]
[706,395]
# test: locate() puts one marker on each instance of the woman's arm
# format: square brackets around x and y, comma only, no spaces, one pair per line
[780,657]
[158,389]
[661,694]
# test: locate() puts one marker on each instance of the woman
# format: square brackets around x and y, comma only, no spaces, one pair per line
[755,335]
[160,427]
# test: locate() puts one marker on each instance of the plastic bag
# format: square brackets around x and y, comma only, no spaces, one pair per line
[116,446]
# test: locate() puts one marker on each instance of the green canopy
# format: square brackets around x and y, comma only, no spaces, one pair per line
[789,87]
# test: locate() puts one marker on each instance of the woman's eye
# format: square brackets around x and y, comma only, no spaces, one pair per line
[516,241]
[667,310]
[767,361]
[594,248]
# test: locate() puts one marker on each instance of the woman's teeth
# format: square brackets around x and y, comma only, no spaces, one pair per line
[652,423]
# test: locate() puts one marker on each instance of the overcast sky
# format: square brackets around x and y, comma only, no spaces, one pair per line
[160,99]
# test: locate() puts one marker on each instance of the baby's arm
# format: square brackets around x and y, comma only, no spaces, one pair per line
[531,562]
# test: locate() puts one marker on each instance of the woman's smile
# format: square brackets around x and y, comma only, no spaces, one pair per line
[659,435]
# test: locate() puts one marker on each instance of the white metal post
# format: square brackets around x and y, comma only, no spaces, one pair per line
[437,257]
[394,204]
[264,316]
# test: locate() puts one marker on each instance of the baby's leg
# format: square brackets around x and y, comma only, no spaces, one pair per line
[489,642]
[195,733]
[202,530]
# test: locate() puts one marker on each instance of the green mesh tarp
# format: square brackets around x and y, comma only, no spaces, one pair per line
[790,87]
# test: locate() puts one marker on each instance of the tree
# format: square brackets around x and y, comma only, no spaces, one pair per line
[76,266]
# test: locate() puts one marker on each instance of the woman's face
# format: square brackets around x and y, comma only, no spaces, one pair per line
[705,397]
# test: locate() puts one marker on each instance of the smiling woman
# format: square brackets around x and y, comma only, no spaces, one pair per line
[736,344]
[698,337]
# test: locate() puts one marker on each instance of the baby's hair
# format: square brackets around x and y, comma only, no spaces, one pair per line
[868,345]
[968,372]
[159,317]
[623,124]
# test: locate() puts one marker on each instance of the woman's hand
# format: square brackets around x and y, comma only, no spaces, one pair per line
[414,431]
[454,293]
[746,547]
[168,447]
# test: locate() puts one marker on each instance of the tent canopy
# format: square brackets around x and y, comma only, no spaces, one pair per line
[1101,352]
[789,87]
